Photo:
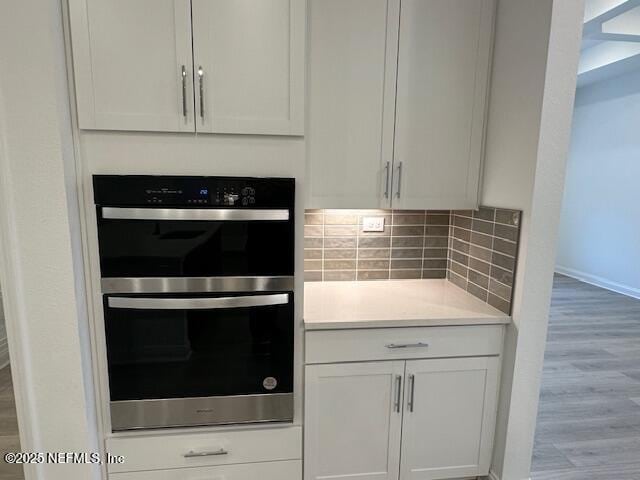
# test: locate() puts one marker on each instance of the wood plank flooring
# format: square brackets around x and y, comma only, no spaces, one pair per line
[589,416]
[9,441]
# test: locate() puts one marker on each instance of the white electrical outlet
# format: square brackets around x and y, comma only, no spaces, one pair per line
[373,224]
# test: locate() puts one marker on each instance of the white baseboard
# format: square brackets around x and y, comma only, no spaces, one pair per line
[599,281]
[4,352]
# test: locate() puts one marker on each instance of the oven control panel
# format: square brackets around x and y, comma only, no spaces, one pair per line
[212,192]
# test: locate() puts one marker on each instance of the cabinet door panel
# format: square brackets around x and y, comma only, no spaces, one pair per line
[352,425]
[351,91]
[443,70]
[128,64]
[449,418]
[252,58]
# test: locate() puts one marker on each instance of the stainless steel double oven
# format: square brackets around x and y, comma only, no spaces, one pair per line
[197,283]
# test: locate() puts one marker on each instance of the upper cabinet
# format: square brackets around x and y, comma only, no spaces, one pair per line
[213,66]
[351,87]
[443,70]
[397,120]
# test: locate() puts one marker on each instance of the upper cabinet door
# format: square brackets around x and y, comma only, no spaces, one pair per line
[351,85]
[443,71]
[449,417]
[133,64]
[249,66]
[353,417]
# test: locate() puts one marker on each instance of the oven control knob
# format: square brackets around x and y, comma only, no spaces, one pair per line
[231,198]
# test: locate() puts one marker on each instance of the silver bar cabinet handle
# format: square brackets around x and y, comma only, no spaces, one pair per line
[386,182]
[192,454]
[412,388]
[198,303]
[399,180]
[393,346]
[201,88]
[184,91]
[396,405]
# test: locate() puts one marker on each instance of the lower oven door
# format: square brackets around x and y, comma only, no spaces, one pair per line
[185,360]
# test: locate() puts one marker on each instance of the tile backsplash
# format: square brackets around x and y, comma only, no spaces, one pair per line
[413,245]
[474,250]
[482,253]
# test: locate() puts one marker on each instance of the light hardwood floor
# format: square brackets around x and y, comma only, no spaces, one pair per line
[589,416]
[9,441]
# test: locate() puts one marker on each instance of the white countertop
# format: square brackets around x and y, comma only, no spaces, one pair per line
[394,303]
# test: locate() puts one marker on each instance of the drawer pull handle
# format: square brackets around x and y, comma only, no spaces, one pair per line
[192,454]
[394,346]
[412,389]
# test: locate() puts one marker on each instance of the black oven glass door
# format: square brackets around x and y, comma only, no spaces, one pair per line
[175,245]
[163,347]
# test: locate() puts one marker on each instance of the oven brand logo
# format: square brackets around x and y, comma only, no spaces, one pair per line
[270,383]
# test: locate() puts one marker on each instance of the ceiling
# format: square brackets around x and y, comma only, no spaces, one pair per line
[611,40]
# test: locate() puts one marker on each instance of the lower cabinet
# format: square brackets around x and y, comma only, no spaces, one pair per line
[291,470]
[409,420]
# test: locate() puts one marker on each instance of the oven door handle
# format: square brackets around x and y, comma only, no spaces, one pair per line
[200,303]
[211,214]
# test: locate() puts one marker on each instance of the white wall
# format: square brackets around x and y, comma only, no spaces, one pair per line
[41,275]
[600,227]
[534,78]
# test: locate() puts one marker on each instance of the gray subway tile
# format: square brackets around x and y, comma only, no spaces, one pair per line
[506,232]
[373,264]
[340,219]
[435,253]
[459,269]
[405,242]
[438,264]
[509,217]
[436,242]
[504,246]
[500,290]
[312,276]
[339,275]
[480,253]
[482,226]
[373,274]
[398,264]
[462,234]
[499,303]
[313,242]
[438,219]
[460,246]
[502,275]
[508,263]
[433,231]
[477,291]
[406,274]
[485,213]
[479,279]
[313,219]
[410,219]
[459,280]
[432,274]
[339,253]
[312,253]
[313,230]
[480,266]
[374,253]
[340,242]
[407,231]
[374,242]
[339,264]
[462,222]
[313,264]
[340,230]
[406,253]
[482,240]
[459,257]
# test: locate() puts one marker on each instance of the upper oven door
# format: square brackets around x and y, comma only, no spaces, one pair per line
[195,242]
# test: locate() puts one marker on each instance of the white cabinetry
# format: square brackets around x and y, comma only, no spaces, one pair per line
[400,85]
[413,419]
[353,420]
[443,71]
[134,65]
[353,47]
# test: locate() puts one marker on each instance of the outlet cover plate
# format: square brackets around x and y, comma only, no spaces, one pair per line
[373,224]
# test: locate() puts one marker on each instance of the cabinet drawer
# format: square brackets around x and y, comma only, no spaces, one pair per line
[167,450]
[291,470]
[329,346]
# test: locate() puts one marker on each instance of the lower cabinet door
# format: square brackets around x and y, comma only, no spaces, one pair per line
[449,418]
[291,470]
[353,415]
